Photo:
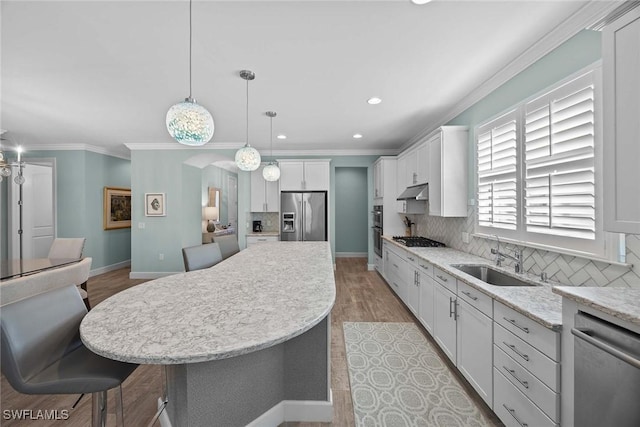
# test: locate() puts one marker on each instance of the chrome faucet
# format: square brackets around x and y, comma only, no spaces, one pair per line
[517,257]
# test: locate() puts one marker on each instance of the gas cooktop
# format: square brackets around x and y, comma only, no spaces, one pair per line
[418,241]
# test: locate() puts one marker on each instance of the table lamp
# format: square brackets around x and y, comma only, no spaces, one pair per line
[211,214]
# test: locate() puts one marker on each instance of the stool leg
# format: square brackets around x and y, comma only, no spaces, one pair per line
[99,409]
[119,406]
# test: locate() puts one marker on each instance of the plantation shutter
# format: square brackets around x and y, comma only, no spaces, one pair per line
[559,161]
[497,159]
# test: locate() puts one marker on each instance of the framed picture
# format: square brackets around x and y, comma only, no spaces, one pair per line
[154,204]
[116,208]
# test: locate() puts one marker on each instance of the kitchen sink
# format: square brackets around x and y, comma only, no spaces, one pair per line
[490,275]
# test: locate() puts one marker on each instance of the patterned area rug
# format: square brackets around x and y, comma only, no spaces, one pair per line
[398,379]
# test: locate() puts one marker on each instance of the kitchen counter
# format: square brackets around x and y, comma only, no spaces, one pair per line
[538,302]
[263,233]
[620,303]
[246,339]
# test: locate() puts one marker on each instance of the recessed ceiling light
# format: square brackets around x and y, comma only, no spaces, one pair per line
[357,136]
[374,101]
[420,1]
[281,136]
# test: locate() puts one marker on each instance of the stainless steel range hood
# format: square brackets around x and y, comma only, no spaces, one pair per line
[415,192]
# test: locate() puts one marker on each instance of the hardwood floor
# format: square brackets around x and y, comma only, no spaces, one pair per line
[361,296]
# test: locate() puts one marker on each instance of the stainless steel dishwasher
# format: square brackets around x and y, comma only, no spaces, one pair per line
[607,374]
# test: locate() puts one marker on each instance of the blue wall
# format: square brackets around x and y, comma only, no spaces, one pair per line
[352,214]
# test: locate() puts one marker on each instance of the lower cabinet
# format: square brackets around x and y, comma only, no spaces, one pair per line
[444,320]
[427,289]
[474,349]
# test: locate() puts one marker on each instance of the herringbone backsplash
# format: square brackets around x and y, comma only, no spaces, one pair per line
[565,269]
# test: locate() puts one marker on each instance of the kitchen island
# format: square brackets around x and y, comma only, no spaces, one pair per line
[245,342]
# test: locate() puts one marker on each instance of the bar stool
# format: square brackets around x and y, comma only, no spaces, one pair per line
[201,256]
[42,352]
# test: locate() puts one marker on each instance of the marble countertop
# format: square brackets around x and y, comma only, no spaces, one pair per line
[538,302]
[260,297]
[620,303]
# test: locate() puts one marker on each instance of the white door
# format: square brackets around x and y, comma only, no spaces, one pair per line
[38,211]
[232,202]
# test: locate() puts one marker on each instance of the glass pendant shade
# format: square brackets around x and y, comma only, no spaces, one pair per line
[190,123]
[248,158]
[271,172]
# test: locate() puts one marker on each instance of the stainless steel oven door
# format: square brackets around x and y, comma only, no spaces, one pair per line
[377,216]
[377,240]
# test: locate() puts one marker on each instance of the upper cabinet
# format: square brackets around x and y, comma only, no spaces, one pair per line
[304,175]
[621,94]
[448,166]
[378,179]
[416,165]
[264,194]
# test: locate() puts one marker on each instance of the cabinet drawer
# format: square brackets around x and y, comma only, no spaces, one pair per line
[425,267]
[445,279]
[261,239]
[477,299]
[544,339]
[527,356]
[545,398]
[513,408]
[397,265]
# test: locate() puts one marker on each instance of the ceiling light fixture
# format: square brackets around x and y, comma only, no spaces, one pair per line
[420,1]
[357,136]
[281,136]
[188,122]
[271,172]
[247,158]
[374,101]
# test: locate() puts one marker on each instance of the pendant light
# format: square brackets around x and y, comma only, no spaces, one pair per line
[188,122]
[271,172]
[247,158]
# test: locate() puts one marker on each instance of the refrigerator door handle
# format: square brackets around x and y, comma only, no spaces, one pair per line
[302,218]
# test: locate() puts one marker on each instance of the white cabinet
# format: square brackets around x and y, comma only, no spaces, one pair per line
[422,167]
[425,278]
[413,286]
[444,320]
[448,167]
[253,240]
[397,271]
[621,94]
[378,179]
[475,349]
[264,194]
[304,175]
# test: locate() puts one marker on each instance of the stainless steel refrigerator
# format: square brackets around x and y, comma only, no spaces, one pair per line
[303,216]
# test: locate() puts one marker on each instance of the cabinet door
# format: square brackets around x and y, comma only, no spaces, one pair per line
[316,176]
[378,176]
[444,321]
[401,175]
[427,301]
[621,94]
[413,292]
[422,167]
[272,196]
[291,176]
[435,177]
[474,349]
[258,191]
[412,168]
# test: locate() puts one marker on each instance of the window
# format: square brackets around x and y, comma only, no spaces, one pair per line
[537,170]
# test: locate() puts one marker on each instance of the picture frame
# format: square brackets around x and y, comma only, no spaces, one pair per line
[116,208]
[155,204]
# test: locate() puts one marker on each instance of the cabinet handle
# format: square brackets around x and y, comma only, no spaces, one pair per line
[262,240]
[396,266]
[444,279]
[516,351]
[411,259]
[513,414]
[525,384]
[395,284]
[470,296]
[426,267]
[453,312]
[513,322]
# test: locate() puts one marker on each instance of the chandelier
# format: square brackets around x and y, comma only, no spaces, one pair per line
[271,172]
[188,122]
[6,167]
[247,158]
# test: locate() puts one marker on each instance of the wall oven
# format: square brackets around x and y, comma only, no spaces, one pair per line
[377,230]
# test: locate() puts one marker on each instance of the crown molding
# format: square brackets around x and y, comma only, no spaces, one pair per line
[329,152]
[589,14]
[79,147]
[175,146]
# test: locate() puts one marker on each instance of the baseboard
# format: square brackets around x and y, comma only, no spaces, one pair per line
[371,267]
[285,411]
[151,274]
[351,254]
[296,411]
[108,268]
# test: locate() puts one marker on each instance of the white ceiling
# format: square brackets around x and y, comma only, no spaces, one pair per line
[104,73]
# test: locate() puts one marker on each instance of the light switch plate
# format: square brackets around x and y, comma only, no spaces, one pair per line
[465,237]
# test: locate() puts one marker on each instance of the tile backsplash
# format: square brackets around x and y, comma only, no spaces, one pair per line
[270,221]
[565,269]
